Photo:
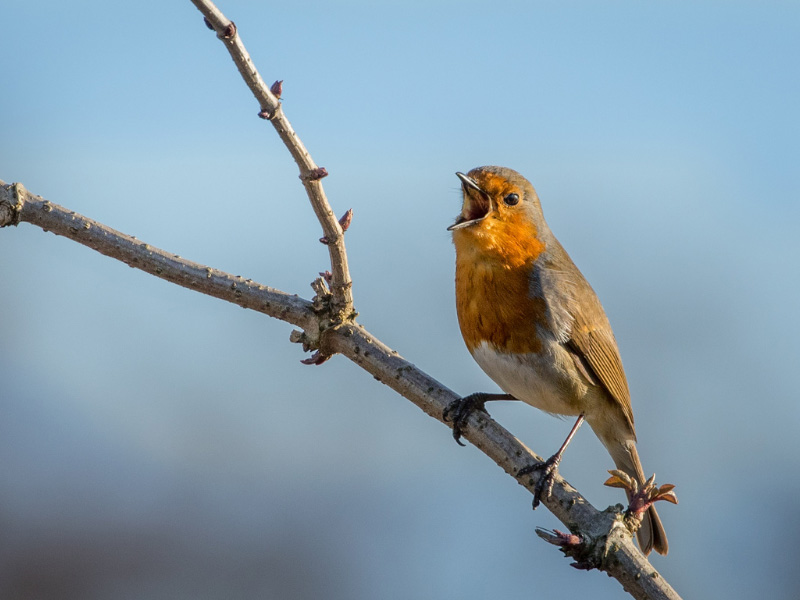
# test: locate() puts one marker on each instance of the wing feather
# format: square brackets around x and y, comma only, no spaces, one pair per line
[597,347]
[579,322]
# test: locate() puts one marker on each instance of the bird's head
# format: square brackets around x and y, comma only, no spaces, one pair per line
[500,215]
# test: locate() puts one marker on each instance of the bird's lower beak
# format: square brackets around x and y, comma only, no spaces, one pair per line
[477,204]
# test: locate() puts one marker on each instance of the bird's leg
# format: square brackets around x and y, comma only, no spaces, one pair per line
[549,468]
[458,411]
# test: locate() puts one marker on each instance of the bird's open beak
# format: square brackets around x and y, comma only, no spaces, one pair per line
[477,204]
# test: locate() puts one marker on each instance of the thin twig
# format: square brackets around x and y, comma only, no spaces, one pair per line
[310,173]
[18,205]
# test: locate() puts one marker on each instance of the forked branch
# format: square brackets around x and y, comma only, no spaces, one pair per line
[310,174]
[600,540]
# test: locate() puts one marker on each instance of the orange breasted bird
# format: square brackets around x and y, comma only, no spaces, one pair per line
[536,327]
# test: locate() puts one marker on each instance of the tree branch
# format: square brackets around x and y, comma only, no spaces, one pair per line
[605,541]
[18,205]
[599,540]
[310,173]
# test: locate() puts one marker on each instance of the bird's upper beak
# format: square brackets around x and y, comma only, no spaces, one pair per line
[477,203]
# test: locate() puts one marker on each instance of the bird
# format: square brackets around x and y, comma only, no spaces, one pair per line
[533,323]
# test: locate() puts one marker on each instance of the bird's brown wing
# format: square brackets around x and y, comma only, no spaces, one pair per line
[580,323]
[592,340]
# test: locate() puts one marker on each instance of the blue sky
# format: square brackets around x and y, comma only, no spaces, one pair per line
[141,420]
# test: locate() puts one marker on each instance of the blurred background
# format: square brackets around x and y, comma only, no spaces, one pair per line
[156,443]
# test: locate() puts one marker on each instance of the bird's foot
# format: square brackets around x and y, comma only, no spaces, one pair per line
[544,486]
[641,497]
[458,411]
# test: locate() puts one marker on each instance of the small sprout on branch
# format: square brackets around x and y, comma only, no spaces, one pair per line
[559,538]
[571,545]
[208,23]
[641,498]
[314,174]
[277,89]
[344,222]
[229,31]
[346,219]
[620,479]
[326,275]
[316,359]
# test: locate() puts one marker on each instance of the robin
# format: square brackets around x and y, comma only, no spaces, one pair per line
[536,327]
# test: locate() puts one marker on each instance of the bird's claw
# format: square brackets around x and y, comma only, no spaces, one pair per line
[544,485]
[458,411]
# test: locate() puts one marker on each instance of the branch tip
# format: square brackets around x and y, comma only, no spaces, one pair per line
[320,286]
[316,359]
[346,219]
[559,538]
[571,545]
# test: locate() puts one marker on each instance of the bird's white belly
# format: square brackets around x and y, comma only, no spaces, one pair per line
[547,381]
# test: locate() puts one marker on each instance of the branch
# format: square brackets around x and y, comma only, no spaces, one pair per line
[18,205]
[310,173]
[603,541]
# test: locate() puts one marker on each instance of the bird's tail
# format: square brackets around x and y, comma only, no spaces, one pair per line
[651,535]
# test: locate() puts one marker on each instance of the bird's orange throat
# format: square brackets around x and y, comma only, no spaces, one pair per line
[494,261]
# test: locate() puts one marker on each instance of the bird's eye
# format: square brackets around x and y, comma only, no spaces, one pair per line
[511,199]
